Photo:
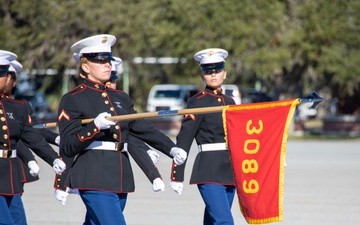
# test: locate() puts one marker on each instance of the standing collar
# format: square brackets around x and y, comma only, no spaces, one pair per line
[93,84]
[217,91]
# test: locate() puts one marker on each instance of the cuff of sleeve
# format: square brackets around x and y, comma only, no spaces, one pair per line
[88,132]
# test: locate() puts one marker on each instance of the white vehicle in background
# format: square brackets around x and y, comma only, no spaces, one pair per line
[170,96]
[233,91]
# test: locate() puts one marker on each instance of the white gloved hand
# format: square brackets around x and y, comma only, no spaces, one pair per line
[72,191]
[61,195]
[177,186]
[153,155]
[158,185]
[102,123]
[59,166]
[179,155]
[34,168]
[57,140]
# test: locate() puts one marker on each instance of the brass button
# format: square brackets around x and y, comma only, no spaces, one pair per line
[215,91]
[115,136]
[59,179]
[104,94]
[95,130]
[174,172]
[5,145]
[57,185]
[81,86]
[1,112]
[106,102]
[97,86]
[5,136]
[88,134]
[219,99]
[112,109]
[4,127]
[82,137]
[117,127]
[2,118]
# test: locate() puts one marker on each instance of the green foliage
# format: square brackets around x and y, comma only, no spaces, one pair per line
[290,45]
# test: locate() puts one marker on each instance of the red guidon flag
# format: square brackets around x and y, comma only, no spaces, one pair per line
[256,136]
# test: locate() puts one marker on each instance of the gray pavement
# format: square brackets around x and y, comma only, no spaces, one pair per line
[322,187]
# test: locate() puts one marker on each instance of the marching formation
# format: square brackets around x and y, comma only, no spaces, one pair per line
[94,158]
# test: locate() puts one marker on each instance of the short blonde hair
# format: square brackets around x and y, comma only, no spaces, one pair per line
[81,71]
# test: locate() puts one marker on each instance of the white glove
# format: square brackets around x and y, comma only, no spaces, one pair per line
[158,185]
[34,168]
[59,166]
[153,155]
[177,186]
[179,155]
[72,191]
[102,123]
[61,195]
[57,140]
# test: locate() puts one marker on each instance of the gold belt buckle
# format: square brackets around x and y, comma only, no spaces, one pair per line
[119,147]
[5,154]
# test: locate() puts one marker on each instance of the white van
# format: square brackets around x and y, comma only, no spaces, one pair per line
[169,96]
[233,91]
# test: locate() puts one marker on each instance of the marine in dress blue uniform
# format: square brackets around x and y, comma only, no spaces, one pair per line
[135,147]
[24,154]
[141,153]
[101,170]
[15,123]
[30,168]
[212,171]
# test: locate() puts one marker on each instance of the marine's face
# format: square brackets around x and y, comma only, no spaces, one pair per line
[9,85]
[214,78]
[98,71]
[3,80]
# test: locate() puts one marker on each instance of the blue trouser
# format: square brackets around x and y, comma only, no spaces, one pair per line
[12,210]
[103,208]
[218,200]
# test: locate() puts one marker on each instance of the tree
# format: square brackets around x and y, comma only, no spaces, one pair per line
[323,39]
[291,46]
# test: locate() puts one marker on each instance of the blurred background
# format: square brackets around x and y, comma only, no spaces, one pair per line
[278,49]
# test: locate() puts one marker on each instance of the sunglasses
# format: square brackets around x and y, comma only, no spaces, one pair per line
[209,72]
[98,56]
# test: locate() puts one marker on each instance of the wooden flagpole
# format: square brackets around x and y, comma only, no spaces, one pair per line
[316,100]
[136,116]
